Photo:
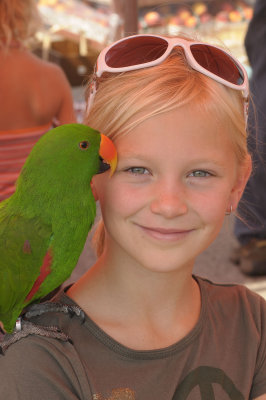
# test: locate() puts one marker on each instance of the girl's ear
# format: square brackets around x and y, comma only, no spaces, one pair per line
[241,181]
[94,191]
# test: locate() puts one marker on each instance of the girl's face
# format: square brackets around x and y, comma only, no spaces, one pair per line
[176,177]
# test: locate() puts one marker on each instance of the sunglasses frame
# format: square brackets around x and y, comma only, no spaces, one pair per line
[186,45]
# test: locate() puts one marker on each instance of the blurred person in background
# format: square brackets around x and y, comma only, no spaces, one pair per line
[250,228]
[35,94]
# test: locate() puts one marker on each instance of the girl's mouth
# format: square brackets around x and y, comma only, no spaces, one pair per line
[165,234]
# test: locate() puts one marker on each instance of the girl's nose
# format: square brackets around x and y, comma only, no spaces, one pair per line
[169,202]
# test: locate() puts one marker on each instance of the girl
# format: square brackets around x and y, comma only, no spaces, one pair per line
[143,326]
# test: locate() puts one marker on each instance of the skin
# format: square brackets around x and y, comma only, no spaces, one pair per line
[34,91]
[176,177]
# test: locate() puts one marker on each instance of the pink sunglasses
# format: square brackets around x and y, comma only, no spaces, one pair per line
[143,51]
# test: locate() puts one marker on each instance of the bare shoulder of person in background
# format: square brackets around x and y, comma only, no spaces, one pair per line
[35,91]
[57,89]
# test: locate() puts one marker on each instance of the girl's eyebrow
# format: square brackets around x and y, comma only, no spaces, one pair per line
[145,157]
[209,163]
[130,155]
[206,161]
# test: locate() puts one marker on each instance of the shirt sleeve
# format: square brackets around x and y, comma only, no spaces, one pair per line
[259,381]
[42,368]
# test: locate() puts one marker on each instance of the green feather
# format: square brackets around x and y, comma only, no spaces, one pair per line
[52,208]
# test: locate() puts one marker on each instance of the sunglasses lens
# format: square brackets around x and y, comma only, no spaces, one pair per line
[218,62]
[135,51]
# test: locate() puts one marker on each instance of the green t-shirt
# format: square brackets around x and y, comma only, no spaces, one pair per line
[223,357]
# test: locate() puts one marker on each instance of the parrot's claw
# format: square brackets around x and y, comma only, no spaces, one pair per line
[25,328]
[18,325]
[42,308]
[28,328]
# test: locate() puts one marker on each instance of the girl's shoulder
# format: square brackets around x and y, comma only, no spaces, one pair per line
[50,320]
[36,363]
[227,299]
[228,289]
[41,355]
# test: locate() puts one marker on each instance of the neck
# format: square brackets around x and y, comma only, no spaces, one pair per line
[140,294]
[149,289]
[162,307]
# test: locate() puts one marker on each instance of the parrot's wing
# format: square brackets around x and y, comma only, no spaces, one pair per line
[24,250]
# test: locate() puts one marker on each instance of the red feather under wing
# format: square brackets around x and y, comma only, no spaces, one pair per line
[45,270]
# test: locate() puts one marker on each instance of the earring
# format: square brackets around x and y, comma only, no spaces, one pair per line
[231,210]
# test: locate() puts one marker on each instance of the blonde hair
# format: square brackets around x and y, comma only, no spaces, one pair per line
[19,21]
[125,100]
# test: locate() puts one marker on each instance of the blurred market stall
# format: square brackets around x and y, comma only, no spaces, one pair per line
[73,34]
[89,25]
[75,31]
[214,20]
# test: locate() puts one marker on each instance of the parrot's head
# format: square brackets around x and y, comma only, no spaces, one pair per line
[66,158]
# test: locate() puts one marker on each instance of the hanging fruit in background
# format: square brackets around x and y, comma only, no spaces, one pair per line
[184,17]
[222,16]
[235,16]
[248,13]
[191,22]
[227,7]
[183,14]
[153,18]
[199,8]
[245,10]
[205,17]
[198,14]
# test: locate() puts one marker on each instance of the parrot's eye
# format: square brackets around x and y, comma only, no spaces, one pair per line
[84,145]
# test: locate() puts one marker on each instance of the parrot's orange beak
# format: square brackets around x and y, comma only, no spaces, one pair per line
[108,152]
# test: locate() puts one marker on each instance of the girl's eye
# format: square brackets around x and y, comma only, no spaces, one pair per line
[138,170]
[200,174]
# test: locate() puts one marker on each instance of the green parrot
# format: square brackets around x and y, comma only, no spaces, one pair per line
[45,223]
